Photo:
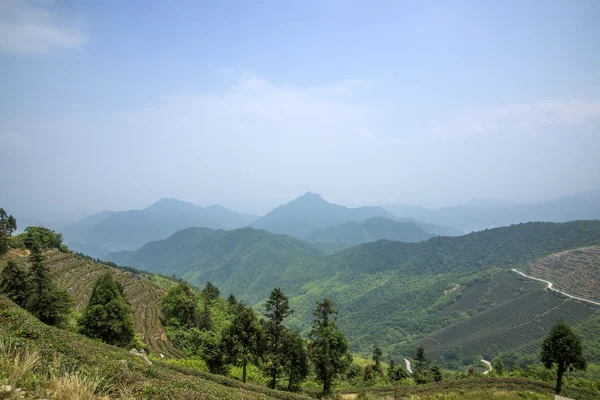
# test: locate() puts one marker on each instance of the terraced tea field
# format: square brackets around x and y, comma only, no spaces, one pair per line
[77,275]
[516,325]
[576,272]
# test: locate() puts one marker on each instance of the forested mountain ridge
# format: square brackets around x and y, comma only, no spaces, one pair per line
[242,261]
[101,233]
[370,230]
[368,281]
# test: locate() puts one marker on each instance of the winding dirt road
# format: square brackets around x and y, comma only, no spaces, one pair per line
[556,290]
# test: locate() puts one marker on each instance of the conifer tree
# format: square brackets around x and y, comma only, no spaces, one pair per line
[295,359]
[329,347]
[377,355]
[13,283]
[107,316]
[242,339]
[44,300]
[278,309]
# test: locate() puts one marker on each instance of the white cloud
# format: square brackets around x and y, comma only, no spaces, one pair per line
[517,117]
[27,28]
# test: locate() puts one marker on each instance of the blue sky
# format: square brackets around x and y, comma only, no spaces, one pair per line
[114,104]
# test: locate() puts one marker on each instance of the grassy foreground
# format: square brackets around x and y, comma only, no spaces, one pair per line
[39,361]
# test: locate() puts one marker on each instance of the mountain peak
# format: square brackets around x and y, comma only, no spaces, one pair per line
[311,195]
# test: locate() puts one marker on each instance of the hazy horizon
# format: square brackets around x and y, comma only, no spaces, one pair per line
[251,104]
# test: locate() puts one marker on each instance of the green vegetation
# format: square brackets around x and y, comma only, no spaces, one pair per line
[572,271]
[242,339]
[77,275]
[13,283]
[8,224]
[563,347]
[44,300]
[40,361]
[353,233]
[277,310]
[39,237]
[389,293]
[107,317]
[329,347]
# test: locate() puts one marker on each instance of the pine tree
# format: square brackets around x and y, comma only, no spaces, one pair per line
[278,309]
[562,347]
[45,301]
[391,370]
[242,339]
[422,373]
[436,373]
[210,293]
[295,359]
[377,355]
[107,316]
[13,283]
[499,367]
[329,347]
[8,224]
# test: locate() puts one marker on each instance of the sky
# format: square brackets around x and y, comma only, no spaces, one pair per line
[108,104]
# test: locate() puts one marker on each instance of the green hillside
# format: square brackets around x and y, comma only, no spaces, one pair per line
[47,361]
[370,230]
[246,262]
[576,272]
[77,275]
[389,293]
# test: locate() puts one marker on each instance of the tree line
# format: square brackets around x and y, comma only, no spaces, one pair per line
[263,341]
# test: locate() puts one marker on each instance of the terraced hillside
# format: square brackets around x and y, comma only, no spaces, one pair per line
[576,272]
[77,275]
[517,325]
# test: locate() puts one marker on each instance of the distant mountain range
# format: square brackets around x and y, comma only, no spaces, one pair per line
[481,214]
[108,231]
[370,230]
[308,213]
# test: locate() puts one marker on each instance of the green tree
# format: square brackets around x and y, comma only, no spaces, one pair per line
[44,300]
[436,373]
[180,306]
[205,321]
[210,293]
[231,300]
[377,355]
[242,339]
[295,359]
[329,347]
[562,347]
[8,224]
[278,309]
[391,368]
[499,366]
[13,283]
[107,316]
[421,373]
[41,238]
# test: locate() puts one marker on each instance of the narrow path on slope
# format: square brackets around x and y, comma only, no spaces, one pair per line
[556,290]
[408,366]
[489,365]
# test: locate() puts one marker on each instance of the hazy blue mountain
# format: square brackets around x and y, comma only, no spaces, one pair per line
[372,229]
[310,212]
[109,231]
[480,214]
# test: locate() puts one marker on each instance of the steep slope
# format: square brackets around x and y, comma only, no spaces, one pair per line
[247,262]
[124,375]
[370,230]
[104,232]
[576,271]
[77,275]
[481,214]
[311,212]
